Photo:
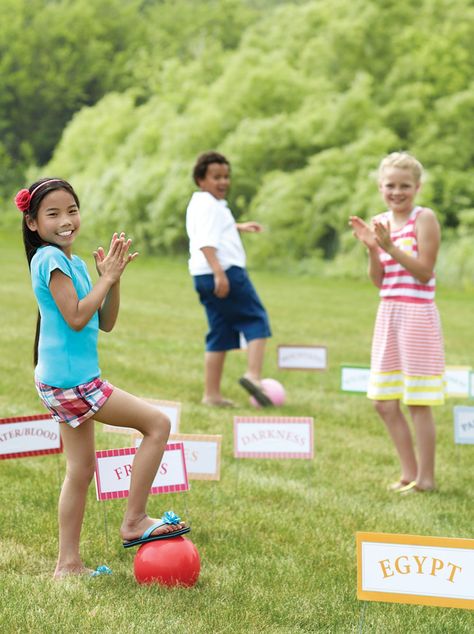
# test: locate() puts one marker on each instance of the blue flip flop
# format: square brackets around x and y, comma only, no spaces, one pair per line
[169,518]
[100,570]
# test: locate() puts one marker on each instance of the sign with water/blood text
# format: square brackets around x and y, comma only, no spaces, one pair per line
[24,436]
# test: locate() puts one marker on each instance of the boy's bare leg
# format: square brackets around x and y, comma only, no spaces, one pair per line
[399,431]
[255,356]
[425,431]
[213,369]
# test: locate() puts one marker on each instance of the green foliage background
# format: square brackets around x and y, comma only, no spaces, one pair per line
[304,98]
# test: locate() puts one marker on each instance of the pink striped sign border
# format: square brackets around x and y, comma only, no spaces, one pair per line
[35,452]
[131,451]
[272,428]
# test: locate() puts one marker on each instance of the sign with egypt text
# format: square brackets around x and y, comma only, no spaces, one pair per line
[414,569]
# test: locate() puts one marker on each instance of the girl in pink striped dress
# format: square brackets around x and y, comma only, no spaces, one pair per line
[407,361]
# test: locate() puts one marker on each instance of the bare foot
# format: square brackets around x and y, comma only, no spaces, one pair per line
[218,402]
[131,530]
[414,487]
[252,377]
[71,570]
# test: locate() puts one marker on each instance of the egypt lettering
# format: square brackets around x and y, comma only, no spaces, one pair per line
[413,564]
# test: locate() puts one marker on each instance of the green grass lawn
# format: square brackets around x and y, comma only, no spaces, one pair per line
[276,538]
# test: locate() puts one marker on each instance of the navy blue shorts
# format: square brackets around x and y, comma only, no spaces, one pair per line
[240,312]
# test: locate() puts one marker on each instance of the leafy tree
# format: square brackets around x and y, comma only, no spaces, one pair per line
[304,98]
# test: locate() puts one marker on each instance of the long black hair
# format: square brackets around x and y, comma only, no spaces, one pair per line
[31,239]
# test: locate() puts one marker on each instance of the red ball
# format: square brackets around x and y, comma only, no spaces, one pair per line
[169,562]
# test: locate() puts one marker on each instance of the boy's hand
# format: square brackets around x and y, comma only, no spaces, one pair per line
[221,285]
[113,264]
[249,227]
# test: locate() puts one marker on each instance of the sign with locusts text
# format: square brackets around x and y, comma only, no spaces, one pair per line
[202,453]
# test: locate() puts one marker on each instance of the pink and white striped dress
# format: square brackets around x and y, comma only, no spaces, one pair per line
[407,361]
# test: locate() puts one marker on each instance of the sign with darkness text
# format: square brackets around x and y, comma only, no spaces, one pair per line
[273,437]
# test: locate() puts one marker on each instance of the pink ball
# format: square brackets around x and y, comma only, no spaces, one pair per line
[169,562]
[274,390]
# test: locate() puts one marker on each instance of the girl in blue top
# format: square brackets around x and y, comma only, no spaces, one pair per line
[67,374]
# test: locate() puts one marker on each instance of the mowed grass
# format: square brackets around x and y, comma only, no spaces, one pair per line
[276,538]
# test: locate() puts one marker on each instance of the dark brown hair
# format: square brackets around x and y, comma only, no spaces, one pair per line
[203,162]
[31,239]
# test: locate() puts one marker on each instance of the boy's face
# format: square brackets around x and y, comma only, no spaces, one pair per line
[216,181]
[398,188]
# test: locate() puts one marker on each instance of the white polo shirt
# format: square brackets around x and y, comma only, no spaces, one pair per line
[210,223]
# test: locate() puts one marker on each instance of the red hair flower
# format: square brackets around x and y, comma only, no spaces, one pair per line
[22,200]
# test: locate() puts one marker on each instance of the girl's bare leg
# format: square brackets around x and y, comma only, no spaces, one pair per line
[397,426]
[425,431]
[78,446]
[124,410]
[213,369]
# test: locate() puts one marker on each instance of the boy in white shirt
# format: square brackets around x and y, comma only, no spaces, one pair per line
[217,264]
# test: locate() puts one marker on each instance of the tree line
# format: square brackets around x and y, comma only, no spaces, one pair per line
[303,97]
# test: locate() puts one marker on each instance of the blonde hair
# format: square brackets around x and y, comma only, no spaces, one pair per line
[402,160]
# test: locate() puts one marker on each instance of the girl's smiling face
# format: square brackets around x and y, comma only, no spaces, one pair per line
[58,220]
[398,187]
[216,181]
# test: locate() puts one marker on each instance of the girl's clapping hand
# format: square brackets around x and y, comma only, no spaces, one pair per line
[362,231]
[382,234]
[113,264]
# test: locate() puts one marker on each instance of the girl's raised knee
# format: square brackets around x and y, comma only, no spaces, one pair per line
[160,427]
[165,424]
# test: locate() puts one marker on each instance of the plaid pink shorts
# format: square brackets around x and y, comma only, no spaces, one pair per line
[74,405]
